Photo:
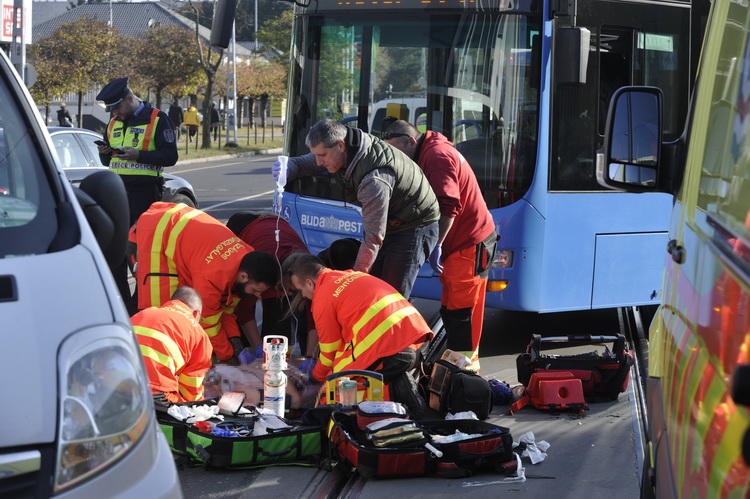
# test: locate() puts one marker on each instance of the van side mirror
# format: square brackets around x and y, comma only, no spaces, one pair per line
[104,202]
[741,396]
[632,141]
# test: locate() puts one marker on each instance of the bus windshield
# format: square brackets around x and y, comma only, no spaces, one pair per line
[467,75]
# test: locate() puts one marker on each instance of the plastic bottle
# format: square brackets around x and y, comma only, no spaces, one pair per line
[280,183]
[347,392]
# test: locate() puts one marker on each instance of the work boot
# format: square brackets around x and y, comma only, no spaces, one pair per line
[404,390]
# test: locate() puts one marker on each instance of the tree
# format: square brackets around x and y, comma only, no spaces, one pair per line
[83,52]
[244,16]
[277,33]
[259,80]
[210,60]
[167,43]
[50,81]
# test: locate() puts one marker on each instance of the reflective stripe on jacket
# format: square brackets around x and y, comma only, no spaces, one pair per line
[361,319]
[175,350]
[182,246]
[140,137]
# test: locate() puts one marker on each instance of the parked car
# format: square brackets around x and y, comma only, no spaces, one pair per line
[79,415]
[80,158]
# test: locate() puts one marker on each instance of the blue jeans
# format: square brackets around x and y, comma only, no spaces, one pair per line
[402,254]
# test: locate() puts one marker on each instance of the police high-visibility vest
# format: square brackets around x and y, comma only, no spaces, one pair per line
[182,246]
[141,137]
[175,350]
[361,319]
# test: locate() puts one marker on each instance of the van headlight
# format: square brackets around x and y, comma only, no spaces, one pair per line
[104,408]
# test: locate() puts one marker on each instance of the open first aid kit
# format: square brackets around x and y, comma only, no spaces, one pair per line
[223,433]
[380,440]
[569,381]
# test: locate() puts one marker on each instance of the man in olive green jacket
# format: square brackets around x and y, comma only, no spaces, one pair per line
[399,208]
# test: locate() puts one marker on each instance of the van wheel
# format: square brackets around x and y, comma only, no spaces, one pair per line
[181,198]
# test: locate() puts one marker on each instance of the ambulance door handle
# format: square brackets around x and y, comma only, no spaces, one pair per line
[677,252]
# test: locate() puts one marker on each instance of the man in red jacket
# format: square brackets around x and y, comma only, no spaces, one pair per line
[363,323]
[466,238]
[259,231]
[181,246]
[175,350]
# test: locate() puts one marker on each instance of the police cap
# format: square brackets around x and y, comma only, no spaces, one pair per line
[114,92]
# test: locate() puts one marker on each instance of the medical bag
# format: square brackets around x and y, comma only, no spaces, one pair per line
[452,390]
[603,374]
[448,448]
[236,442]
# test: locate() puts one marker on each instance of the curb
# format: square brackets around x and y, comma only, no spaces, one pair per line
[277,150]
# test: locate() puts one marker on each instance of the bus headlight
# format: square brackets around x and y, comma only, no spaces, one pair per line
[503,259]
[104,406]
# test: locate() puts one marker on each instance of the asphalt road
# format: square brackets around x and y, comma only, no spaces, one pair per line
[592,455]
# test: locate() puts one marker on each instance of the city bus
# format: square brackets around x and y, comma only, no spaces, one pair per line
[522,89]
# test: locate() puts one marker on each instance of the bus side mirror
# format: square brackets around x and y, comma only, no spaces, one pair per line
[632,141]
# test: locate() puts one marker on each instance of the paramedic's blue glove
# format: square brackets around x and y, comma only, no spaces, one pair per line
[258,352]
[435,256]
[276,170]
[307,366]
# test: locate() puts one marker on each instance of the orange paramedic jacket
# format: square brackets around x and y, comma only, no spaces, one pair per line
[361,319]
[182,246]
[175,350]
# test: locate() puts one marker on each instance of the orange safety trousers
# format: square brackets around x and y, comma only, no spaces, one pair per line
[464,293]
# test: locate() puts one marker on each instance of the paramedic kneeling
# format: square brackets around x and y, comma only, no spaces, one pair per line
[363,323]
[175,349]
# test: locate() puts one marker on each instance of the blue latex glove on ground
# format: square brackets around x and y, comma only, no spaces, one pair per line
[501,392]
[435,258]
[276,169]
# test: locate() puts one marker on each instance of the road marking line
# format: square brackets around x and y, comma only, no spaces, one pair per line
[223,164]
[213,207]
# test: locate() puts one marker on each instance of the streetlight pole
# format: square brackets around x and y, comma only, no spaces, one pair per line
[231,111]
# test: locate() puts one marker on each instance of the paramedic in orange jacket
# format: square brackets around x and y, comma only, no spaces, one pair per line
[363,323]
[181,246]
[175,350]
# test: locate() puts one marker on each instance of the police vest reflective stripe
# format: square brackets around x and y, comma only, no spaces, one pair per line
[129,137]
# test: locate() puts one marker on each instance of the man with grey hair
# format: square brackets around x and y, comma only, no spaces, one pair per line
[399,208]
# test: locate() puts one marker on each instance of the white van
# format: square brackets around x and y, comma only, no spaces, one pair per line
[78,419]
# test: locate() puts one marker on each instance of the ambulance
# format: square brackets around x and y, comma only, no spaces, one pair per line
[698,384]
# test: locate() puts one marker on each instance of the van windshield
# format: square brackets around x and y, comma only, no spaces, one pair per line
[27,209]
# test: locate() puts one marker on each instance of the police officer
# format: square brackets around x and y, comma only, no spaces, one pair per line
[139,143]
